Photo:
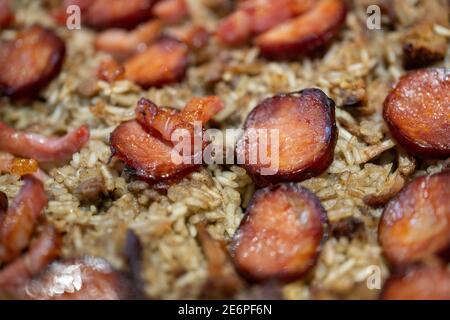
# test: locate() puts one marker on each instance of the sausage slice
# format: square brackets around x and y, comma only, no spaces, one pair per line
[171,11]
[419,283]
[149,157]
[305,34]
[85,278]
[30,61]
[164,62]
[416,223]
[6,15]
[281,235]
[417,112]
[105,14]
[307,134]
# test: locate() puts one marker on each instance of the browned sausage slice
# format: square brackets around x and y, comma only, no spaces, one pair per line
[281,235]
[419,283]
[307,134]
[417,112]
[164,62]
[305,34]
[6,15]
[416,223]
[104,14]
[150,157]
[110,70]
[86,278]
[171,11]
[30,61]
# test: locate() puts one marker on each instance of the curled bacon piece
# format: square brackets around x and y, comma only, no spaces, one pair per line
[19,222]
[105,14]
[42,149]
[122,44]
[85,278]
[416,223]
[151,153]
[281,234]
[165,121]
[150,157]
[289,137]
[19,166]
[30,61]
[418,283]
[417,112]
[15,276]
[6,15]
[164,62]
[256,16]
[305,34]
[171,10]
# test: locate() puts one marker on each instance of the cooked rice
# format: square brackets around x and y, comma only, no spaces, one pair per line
[362,64]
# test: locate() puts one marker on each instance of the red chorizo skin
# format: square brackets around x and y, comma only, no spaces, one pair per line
[38,54]
[307,120]
[417,112]
[92,279]
[281,235]
[148,156]
[415,224]
[418,283]
[105,14]
[305,35]
[164,62]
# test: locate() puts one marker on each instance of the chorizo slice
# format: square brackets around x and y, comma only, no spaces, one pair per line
[417,112]
[20,219]
[30,61]
[85,278]
[416,222]
[6,15]
[289,137]
[281,235]
[122,43]
[305,34]
[105,14]
[164,62]
[171,11]
[16,275]
[151,158]
[418,283]
[41,148]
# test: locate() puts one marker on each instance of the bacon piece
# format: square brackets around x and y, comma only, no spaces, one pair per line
[85,278]
[416,223]
[15,276]
[122,44]
[417,112]
[165,121]
[164,62]
[281,234]
[196,37]
[418,283]
[151,158]
[171,10]
[18,166]
[42,149]
[20,219]
[110,70]
[30,61]
[6,15]
[289,137]
[305,34]
[105,14]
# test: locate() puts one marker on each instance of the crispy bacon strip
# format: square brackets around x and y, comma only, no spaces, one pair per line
[20,219]
[42,149]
